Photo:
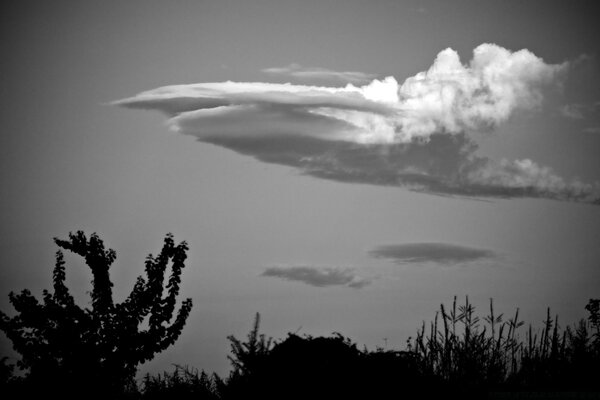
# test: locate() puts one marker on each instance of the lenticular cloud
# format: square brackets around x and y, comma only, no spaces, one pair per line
[415,134]
[449,97]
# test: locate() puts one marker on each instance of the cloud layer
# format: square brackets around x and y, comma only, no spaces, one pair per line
[319,277]
[439,253]
[414,135]
[310,73]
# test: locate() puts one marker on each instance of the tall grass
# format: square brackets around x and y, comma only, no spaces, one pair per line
[183,383]
[464,351]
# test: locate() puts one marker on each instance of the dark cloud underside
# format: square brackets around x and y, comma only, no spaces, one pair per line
[440,253]
[446,164]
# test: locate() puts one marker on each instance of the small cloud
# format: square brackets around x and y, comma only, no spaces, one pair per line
[573,111]
[312,73]
[440,253]
[592,129]
[588,112]
[319,277]
[580,110]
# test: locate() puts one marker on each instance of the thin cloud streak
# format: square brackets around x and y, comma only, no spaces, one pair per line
[319,277]
[323,74]
[573,111]
[438,253]
[579,110]
[592,129]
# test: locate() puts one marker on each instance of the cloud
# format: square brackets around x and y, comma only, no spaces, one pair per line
[573,111]
[454,97]
[440,253]
[445,165]
[323,74]
[238,109]
[449,97]
[416,135]
[592,129]
[588,112]
[319,277]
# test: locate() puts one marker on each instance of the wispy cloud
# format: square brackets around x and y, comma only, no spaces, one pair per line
[585,112]
[439,253]
[318,276]
[416,135]
[320,74]
[591,129]
[573,111]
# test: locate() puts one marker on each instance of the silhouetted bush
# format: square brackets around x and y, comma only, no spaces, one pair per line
[301,367]
[95,351]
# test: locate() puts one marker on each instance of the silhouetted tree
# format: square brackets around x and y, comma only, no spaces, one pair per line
[593,307]
[67,348]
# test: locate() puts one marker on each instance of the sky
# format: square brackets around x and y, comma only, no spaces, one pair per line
[336,166]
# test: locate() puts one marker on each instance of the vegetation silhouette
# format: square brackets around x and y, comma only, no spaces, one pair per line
[469,358]
[184,383]
[68,351]
[302,367]
[89,352]
[457,355]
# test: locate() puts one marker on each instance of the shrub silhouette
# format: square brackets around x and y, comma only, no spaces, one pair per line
[69,349]
[307,367]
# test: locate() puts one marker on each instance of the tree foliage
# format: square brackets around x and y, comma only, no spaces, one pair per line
[62,344]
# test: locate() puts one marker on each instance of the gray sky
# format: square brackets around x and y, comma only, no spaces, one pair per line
[303,221]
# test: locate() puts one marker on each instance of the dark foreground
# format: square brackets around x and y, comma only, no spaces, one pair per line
[455,356]
[68,351]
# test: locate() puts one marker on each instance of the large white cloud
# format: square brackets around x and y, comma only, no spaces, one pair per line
[449,97]
[453,97]
[412,135]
